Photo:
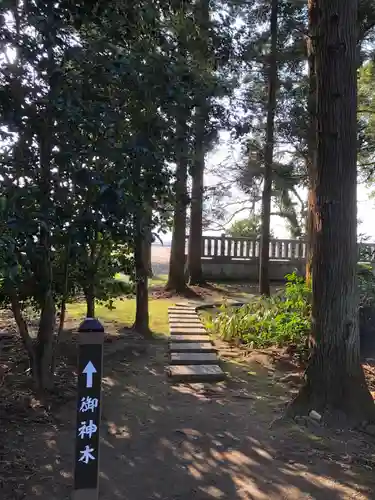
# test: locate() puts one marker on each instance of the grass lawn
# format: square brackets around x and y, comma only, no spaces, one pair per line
[124,313]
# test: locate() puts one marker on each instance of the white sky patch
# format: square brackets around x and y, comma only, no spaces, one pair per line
[365,205]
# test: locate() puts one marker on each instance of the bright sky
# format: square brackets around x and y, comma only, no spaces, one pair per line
[366,206]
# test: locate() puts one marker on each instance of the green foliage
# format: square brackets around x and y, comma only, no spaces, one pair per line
[88,273]
[280,320]
[86,137]
[366,119]
[90,101]
[366,285]
[284,319]
[246,228]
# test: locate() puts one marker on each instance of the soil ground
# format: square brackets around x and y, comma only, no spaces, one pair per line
[180,442]
[163,442]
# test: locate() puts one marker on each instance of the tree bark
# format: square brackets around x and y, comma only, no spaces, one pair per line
[196,210]
[311,205]
[176,276]
[147,254]
[64,300]
[312,133]
[61,318]
[335,381]
[45,340]
[90,302]
[44,345]
[24,332]
[197,171]
[312,142]
[264,281]
[141,323]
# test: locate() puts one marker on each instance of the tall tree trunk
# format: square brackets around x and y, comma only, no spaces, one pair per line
[142,225]
[147,253]
[311,205]
[45,340]
[44,345]
[312,133]
[334,378]
[90,301]
[197,171]
[264,280]
[23,331]
[176,276]
[64,300]
[312,142]
[196,210]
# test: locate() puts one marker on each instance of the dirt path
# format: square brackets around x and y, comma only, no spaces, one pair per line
[160,442]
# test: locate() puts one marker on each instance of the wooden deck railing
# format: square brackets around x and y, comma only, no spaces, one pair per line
[229,248]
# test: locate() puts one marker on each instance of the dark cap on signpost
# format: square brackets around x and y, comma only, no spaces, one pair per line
[90,325]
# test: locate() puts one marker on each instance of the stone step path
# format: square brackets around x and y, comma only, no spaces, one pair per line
[193,358]
[192,355]
[189,338]
[201,347]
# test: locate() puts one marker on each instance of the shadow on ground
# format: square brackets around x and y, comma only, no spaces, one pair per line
[192,441]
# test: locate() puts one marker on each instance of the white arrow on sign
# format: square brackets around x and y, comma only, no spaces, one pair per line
[89,370]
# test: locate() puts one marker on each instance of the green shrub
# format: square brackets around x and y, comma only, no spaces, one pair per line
[278,320]
[285,318]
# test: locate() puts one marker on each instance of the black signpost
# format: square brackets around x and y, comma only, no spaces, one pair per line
[90,364]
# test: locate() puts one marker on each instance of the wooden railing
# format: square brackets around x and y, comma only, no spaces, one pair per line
[228,248]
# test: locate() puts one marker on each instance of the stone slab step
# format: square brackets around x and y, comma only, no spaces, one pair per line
[188,303]
[182,310]
[182,314]
[185,319]
[193,358]
[188,326]
[200,347]
[190,333]
[189,338]
[196,373]
[182,319]
[187,329]
[181,306]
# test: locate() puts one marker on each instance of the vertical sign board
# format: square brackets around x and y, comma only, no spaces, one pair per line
[90,365]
